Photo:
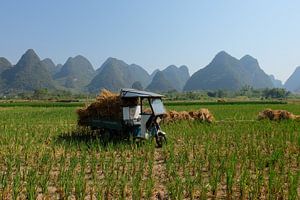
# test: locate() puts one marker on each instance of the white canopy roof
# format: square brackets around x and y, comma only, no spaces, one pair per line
[129,93]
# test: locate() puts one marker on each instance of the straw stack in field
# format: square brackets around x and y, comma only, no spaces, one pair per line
[202,115]
[185,116]
[221,100]
[276,115]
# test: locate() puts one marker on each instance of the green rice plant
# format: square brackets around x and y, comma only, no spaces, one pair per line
[271,184]
[258,184]
[293,185]
[230,175]
[44,179]
[214,176]
[109,179]
[73,163]
[122,187]
[136,185]
[9,165]
[99,193]
[83,162]
[31,184]
[80,187]
[189,185]
[93,161]
[4,183]
[179,188]
[65,182]
[204,188]
[149,188]
[16,185]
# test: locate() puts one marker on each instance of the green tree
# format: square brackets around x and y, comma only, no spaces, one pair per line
[275,93]
[40,93]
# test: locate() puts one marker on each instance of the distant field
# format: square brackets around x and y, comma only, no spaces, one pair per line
[167,103]
[44,155]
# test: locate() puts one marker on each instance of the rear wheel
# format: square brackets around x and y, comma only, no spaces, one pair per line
[160,139]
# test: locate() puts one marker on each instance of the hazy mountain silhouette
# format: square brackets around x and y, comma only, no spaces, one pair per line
[58,67]
[293,82]
[137,85]
[277,83]
[153,74]
[177,76]
[115,74]
[159,83]
[27,75]
[227,72]
[138,74]
[4,64]
[76,73]
[257,77]
[50,66]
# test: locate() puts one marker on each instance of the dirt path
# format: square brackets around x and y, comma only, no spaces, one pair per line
[159,174]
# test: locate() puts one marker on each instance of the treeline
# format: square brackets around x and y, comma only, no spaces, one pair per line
[45,94]
[245,92]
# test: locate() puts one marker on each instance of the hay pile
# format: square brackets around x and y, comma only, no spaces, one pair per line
[107,105]
[221,100]
[276,115]
[202,115]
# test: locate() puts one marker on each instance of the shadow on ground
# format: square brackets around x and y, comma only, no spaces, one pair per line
[87,138]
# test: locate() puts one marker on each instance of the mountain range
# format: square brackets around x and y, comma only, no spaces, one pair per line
[175,76]
[160,83]
[78,75]
[28,74]
[115,74]
[227,72]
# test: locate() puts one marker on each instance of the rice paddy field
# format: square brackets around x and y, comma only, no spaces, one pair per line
[43,155]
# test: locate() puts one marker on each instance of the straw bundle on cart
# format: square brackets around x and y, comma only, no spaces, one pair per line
[107,105]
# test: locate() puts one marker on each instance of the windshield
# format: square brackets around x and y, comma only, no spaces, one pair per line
[158,107]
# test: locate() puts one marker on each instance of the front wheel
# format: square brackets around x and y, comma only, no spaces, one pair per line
[160,139]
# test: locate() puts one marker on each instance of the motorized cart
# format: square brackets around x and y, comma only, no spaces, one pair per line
[140,118]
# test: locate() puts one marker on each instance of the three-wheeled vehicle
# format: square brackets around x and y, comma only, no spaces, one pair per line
[135,122]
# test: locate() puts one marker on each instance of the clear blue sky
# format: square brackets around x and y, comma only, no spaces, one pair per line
[154,33]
